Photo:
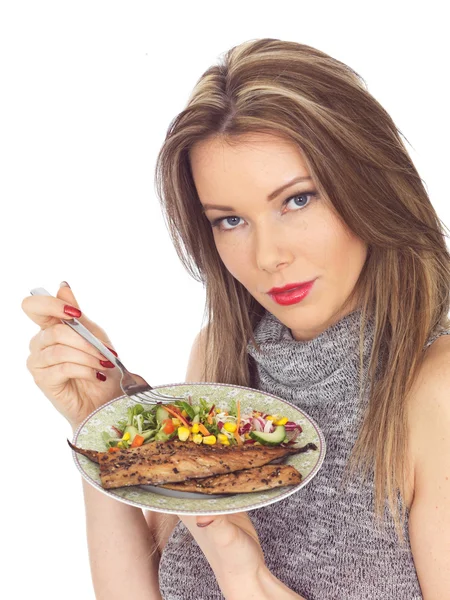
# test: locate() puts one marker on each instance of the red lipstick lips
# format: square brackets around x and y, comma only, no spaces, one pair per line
[291,293]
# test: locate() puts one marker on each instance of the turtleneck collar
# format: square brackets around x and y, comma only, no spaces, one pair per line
[305,363]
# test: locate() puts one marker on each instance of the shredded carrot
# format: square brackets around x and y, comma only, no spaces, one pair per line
[113,449]
[203,429]
[176,414]
[137,441]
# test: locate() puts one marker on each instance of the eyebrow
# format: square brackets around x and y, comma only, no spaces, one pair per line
[270,197]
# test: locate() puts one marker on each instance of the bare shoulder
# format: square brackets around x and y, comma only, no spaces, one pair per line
[429,399]
[429,443]
[434,374]
[196,362]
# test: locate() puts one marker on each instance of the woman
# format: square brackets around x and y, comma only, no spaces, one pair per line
[281,170]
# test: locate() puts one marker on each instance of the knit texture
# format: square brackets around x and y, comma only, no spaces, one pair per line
[323,542]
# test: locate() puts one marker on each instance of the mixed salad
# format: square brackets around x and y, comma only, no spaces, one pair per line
[200,423]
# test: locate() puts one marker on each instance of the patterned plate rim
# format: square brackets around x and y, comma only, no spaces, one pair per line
[223,511]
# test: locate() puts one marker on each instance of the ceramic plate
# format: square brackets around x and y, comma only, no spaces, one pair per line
[89,435]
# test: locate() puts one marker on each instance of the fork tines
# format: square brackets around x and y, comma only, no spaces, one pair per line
[151,397]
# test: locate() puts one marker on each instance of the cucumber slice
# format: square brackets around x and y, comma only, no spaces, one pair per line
[269,439]
[148,434]
[161,414]
[132,431]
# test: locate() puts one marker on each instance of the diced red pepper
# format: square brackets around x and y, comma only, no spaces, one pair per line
[137,441]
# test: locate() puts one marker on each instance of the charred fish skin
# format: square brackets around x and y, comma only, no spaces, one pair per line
[91,454]
[173,446]
[120,470]
[242,482]
[176,461]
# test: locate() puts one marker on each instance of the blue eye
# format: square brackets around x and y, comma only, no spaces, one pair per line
[295,198]
[228,219]
[218,222]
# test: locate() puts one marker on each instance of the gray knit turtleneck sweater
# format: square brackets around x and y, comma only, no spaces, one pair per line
[322,542]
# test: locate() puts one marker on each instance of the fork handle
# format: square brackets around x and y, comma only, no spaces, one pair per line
[84,332]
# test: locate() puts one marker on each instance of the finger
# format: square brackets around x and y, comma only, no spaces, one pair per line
[46,311]
[57,354]
[205,521]
[59,374]
[65,293]
[199,521]
[61,334]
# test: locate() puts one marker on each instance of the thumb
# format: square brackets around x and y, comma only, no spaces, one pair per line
[65,293]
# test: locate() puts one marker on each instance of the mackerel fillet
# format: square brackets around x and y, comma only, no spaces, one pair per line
[156,463]
[241,482]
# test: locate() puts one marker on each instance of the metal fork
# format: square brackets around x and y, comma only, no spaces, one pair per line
[137,392]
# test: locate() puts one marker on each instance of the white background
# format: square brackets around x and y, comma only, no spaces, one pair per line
[88,90]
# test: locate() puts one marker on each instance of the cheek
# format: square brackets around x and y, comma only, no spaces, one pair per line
[348,256]
[332,248]
[235,257]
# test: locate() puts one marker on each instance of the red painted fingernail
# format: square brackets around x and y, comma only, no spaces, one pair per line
[113,351]
[204,524]
[72,311]
[107,363]
[101,376]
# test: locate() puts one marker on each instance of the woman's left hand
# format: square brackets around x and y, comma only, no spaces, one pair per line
[230,544]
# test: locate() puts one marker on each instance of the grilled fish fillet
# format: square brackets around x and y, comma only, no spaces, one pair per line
[174,461]
[241,482]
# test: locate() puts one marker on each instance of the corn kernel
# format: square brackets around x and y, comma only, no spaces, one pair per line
[183,413]
[270,418]
[209,439]
[176,422]
[195,428]
[222,438]
[247,436]
[183,433]
[197,438]
[227,443]
[120,444]
[282,421]
[126,436]
[231,427]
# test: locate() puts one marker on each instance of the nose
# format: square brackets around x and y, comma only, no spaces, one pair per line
[271,248]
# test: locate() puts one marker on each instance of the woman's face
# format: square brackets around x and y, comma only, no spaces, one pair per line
[293,237]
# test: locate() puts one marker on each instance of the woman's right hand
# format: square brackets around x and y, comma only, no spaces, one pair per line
[63,364]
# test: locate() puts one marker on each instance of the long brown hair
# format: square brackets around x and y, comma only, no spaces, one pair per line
[357,159]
